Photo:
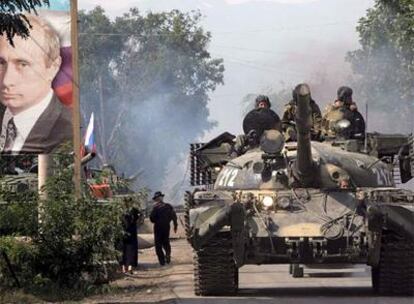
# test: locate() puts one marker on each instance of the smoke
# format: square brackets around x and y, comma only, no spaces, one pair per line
[267,48]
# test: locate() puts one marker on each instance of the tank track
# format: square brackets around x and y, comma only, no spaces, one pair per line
[411,153]
[215,272]
[395,273]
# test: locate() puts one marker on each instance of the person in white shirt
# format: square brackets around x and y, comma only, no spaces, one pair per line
[33,120]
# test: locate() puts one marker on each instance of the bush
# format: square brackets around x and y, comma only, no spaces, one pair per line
[75,235]
[23,256]
[18,218]
[73,239]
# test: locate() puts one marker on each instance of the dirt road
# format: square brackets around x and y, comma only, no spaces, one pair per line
[258,284]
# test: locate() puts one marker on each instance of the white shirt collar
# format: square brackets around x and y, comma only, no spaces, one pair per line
[25,120]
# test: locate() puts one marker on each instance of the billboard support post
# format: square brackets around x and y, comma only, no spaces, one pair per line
[75,100]
[43,174]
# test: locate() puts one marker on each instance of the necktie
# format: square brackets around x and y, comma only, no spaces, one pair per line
[10,135]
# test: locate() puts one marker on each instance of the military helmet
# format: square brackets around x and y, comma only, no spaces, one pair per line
[262,98]
[345,94]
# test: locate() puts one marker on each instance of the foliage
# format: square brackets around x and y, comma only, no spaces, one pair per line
[18,218]
[12,20]
[23,256]
[75,234]
[148,78]
[18,201]
[385,62]
[73,239]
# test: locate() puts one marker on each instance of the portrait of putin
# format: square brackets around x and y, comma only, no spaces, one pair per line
[33,120]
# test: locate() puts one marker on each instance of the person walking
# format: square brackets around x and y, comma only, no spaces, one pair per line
[161,215]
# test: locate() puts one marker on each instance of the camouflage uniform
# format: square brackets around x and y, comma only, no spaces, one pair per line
[288,121]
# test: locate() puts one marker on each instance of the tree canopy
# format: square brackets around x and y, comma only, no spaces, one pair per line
[385,62]
[12,20]
[147,77]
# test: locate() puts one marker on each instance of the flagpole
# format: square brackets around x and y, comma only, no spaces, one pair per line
[75,98]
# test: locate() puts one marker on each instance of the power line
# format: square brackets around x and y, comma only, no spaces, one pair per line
[215,32]
[251,64]
[283,28]
[250,50]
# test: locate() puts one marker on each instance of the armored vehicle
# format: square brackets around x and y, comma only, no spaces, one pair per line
[303,202]
[108,187]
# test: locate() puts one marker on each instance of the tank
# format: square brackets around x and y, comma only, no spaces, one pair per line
[108,187]
[303,202]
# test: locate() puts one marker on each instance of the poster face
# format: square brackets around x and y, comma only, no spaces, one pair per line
[36,84]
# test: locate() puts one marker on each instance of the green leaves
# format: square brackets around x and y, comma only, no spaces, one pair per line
[385,62]
[67,248]
[148,77]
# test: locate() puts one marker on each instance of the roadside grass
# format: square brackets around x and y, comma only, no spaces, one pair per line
[53,293]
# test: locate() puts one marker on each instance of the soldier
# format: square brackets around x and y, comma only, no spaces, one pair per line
[259,119]
[262,102]
[288,118]
[344,108]
[161,215]
[357,122]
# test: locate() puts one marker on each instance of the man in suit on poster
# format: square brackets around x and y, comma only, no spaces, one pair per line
[33,120]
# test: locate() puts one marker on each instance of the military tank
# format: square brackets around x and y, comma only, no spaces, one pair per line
[303,202]
[107,187]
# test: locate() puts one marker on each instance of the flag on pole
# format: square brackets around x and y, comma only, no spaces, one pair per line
[89,143]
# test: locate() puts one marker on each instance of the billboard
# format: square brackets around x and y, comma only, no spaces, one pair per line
[36,84]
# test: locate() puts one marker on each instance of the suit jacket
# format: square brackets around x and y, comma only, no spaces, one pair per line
[53,127]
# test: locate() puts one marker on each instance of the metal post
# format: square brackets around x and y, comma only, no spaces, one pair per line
[366,129]
[75,99]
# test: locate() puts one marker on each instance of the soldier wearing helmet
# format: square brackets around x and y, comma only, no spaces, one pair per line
[255,122]
[344,108]
[288,118]
[262,102]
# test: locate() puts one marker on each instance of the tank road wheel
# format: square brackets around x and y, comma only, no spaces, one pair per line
[297,271]
[394,274]
[215,272]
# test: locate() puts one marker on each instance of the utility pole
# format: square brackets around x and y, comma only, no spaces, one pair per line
[75,98]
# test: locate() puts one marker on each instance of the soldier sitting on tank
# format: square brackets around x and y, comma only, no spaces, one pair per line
[255,122]
[343,108]
[288,118]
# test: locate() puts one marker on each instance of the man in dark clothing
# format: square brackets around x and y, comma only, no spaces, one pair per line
[255,122]
[357,122]
[161,215]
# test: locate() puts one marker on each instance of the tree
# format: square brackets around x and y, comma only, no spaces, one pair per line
[148,78]
[385,63]
[12,20]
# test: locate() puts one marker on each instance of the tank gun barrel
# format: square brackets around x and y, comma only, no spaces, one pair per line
[84,160]
[304,165]
[87,158]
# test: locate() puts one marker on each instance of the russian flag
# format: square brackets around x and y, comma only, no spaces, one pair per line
[58,17]
[89,144]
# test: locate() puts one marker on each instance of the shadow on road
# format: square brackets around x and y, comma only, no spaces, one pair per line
[296,295]
[306,292]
